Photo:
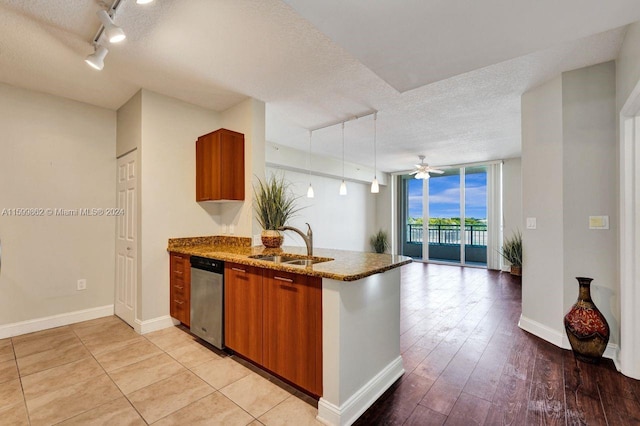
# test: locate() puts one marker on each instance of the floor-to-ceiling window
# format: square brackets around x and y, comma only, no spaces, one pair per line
[444,218]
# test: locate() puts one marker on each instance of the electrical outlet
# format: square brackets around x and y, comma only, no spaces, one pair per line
[82,284]
[232,229]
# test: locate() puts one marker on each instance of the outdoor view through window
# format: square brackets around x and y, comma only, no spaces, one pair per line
[445,207]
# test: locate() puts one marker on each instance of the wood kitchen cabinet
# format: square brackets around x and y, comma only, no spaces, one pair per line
[243,315]
[274,318]
[180,287]
[220,166]
[293,328]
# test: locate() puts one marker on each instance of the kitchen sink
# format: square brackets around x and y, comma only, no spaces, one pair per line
[290,260]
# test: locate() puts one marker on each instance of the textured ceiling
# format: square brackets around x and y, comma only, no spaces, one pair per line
[215,53]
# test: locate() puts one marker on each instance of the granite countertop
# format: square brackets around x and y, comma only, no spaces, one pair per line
[345,266]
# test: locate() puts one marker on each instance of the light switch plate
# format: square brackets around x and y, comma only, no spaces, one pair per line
[598,222]
[531,223]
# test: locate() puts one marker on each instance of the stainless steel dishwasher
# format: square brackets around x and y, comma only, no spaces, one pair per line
[207,300]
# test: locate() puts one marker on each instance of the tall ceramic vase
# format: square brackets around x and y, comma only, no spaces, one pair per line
[586,327]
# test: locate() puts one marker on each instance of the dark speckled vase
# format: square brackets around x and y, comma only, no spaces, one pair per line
[586,327]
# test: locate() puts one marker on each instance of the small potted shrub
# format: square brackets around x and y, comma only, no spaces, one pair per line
[512,252]
[274,205]
[379,241]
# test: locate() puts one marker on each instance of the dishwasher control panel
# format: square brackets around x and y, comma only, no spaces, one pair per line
[211,265]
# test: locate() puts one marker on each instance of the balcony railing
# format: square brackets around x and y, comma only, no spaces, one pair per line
[475,235]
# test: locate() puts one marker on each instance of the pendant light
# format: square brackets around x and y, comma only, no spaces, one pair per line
[343,185]
[375,188]
[310,190]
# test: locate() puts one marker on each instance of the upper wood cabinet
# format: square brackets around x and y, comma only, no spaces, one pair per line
[220,166]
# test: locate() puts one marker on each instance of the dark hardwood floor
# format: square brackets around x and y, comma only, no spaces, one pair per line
[468,363]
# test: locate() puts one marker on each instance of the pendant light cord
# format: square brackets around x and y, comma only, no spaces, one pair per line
[375,159]
[343,151]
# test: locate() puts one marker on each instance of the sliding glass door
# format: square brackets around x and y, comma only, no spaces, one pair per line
[444,218]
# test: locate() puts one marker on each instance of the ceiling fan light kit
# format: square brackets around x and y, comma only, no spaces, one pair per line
[422,170]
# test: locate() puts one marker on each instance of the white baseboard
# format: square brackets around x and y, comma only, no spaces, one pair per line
[155,324]
[38,324]
[362,399]
[544,332]
[559,338]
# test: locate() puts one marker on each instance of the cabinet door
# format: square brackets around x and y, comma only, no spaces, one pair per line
[293,328]
[180,288]
[243,310]
[220,166]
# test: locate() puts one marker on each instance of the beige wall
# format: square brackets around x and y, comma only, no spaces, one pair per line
[512,196]
[129,129]
[248,117]
[628,65]
[542,192]
[55,153]
[167,191]
[569,172]
[590,187]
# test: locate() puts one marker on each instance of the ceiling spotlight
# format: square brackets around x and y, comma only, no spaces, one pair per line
[143,1]
[114,33]
[96,59]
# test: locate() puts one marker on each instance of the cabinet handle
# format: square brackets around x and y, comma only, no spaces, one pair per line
[179,287]
[287,280]
[179,302]
[238,270]
[179,272]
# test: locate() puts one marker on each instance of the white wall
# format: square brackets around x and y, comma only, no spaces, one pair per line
[590,170]
[569,172]
[342,222]
[512,196]
[55,153]
[542,174]
[339,222]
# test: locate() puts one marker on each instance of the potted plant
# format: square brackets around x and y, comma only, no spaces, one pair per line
[512,252]
[379,241]
[274,205]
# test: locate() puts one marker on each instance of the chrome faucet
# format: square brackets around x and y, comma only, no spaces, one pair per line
[308,238]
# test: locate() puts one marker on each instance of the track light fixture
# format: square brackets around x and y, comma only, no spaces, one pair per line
[96,59]
[114,33]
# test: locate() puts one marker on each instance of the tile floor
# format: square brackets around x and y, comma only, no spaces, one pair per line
[101,372]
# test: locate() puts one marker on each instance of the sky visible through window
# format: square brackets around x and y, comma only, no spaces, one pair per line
[444,200]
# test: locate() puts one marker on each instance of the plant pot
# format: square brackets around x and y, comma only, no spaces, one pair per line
[586,327]
[516,270]
[271,238]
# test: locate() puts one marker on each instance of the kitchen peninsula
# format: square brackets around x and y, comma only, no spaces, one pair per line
[359,323]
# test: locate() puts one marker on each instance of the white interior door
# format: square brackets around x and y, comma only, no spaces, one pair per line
[126,239]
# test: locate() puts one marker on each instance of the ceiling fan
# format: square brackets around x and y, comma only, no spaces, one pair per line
[422,170]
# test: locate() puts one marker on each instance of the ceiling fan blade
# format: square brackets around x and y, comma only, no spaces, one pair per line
[436,171]
[414,172]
